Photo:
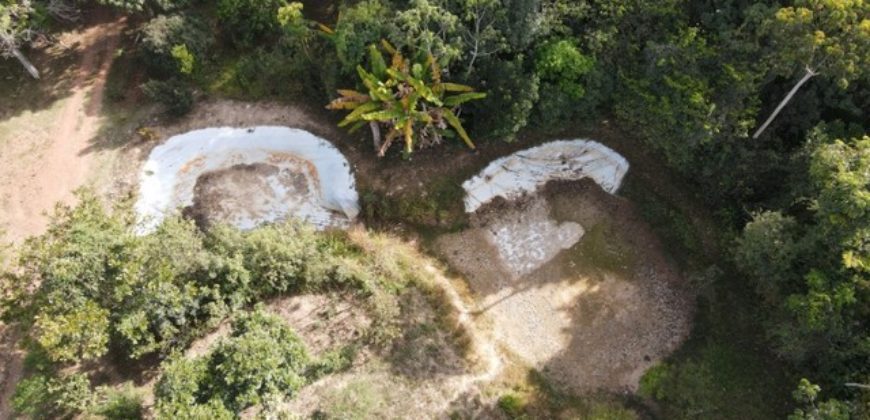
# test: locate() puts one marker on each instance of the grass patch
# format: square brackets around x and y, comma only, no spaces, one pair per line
[356,400]
[438,206]
[254,75]
[539,398]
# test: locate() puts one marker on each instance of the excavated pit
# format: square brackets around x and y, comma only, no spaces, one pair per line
[246,177]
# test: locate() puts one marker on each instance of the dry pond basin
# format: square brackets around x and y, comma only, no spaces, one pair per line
[246,177]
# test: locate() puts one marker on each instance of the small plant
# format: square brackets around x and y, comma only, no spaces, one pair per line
[512,405]
[409,99]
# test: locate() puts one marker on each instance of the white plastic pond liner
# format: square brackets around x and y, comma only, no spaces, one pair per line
[170,176]
[527,170]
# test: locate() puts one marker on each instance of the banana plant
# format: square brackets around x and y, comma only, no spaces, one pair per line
[408,99]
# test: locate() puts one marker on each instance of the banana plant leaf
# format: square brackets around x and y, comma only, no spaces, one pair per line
[454,122]
[463,98]
[356,114]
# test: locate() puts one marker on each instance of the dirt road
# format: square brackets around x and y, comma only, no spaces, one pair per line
[35,174]
[33,179]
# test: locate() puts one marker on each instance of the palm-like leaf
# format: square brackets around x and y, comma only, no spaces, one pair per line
[454,122]
[408,98]
[462,98]
[357,114]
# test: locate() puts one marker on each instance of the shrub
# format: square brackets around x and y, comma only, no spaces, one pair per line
[174,94]
[512,405]
[123,404]
[512,92]
[166,32]
[80,333]
[249,20]
[562,64]
[261,359]
[40,396]
[564,73]
[358,27]
[276,73]
[767,249]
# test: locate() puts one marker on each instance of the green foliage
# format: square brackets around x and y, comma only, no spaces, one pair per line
[46,397]
[408,99]
[103,287]
[564,73]
[162,38]
[522,23]
[806,395]
[153,6]
[562,64]
[427,29]
[358,26]
[768,250]
[512,92]
[291,19]
[122,404]
[185,59]
[246,21]
[512,405]
[261,359]
[827,37]
[716,376]
[175,95]
[80,333]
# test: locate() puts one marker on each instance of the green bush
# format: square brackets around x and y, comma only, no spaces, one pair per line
[175,95]
[77,333]
[565,77]
[512,92]
[280,73]
[246,21]
[41,396]
[165,32]
[263,358]
[359,26]
[153,6]
[512,405]
[122,404]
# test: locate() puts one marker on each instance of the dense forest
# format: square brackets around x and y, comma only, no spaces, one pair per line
[759,107]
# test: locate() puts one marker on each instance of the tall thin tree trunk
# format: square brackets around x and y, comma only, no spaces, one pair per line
[376,134]
[26,63]
[807,76]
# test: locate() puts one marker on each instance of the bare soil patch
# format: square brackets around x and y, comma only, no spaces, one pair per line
[41,167]
[248,192]
[323,322]
[596,315]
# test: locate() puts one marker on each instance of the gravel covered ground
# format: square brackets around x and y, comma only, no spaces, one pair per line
[593,316]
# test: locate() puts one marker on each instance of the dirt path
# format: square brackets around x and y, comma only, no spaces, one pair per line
[38,173]
[32,181]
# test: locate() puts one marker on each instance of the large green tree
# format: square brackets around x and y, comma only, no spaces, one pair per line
[830,38]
